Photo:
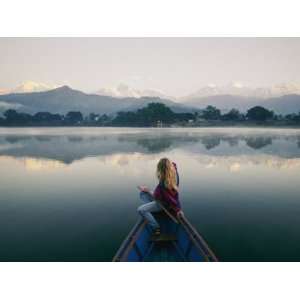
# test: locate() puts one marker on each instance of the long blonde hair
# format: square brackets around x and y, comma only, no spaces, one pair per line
[166,174]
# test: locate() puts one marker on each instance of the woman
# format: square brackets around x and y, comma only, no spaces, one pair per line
[166,192]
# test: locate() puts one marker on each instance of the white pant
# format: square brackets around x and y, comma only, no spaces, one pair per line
[146,209]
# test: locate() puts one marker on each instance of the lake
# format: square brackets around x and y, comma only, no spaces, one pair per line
[69,194]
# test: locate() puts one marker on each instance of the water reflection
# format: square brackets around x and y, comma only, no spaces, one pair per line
[69,148]
[258,142]
[33,164]
[233,141]
[210,142]
[71,193]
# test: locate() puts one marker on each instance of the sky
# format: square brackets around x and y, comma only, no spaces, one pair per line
[174,66]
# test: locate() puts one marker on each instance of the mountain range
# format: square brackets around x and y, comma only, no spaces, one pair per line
[281,98]
[32,97]
[241,90]
[64,99]
[124,91]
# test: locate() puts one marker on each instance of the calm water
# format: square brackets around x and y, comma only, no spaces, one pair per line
[69,194]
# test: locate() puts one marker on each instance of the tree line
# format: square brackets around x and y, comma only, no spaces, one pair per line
[154,114]
[256,114]
[72,118]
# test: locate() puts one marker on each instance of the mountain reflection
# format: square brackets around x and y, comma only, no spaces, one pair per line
[67,148]
[158,143]
[75,139]
[155,145]
[233,141]
[258,142]
[16,139]
[210,142]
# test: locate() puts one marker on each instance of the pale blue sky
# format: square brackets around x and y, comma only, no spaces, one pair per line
[175,66]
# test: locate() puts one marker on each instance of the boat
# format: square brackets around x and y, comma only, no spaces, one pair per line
[178,241]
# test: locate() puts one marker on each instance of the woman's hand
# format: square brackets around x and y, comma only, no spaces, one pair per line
[144,189]
[180,214]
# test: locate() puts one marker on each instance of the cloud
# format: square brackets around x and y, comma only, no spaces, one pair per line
[5,105]
[235,167]
[236,164]
[33,164]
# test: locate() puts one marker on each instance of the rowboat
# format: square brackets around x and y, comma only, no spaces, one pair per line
[178,241]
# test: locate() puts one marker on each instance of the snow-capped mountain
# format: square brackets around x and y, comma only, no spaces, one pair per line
[28,87]
[3,91]
[285,89]
[239,89]
[32,86]
[124,91]
[282,98]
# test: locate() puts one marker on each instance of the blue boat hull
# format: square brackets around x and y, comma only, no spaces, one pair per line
[178,241]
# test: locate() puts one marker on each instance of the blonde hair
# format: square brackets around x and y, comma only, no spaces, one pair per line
[166,173]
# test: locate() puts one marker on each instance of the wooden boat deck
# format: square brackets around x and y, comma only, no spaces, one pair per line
[178,242]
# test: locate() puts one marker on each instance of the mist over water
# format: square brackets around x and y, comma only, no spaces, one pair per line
[69,194]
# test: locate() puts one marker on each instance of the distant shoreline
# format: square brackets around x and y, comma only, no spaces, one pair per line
[154,115]
[249,125]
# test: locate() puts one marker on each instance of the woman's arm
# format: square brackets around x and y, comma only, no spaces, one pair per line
[177,175]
